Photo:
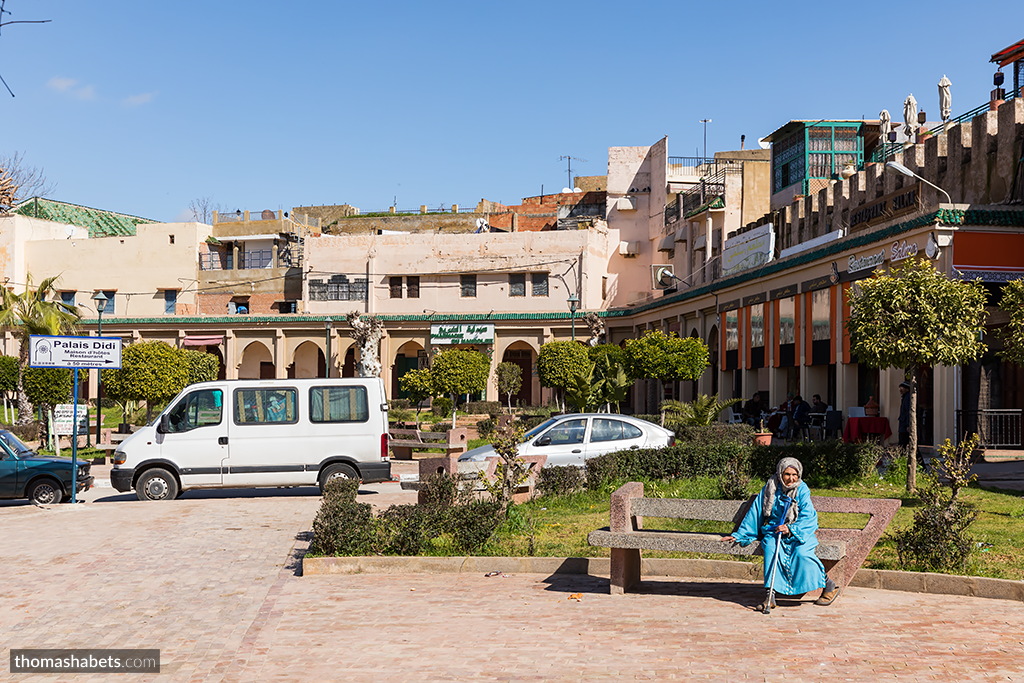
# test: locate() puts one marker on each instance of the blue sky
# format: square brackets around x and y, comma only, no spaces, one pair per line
[141,107]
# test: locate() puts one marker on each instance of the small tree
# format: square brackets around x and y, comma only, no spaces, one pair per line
[419,385]
[580,393]
[202,366]
[1012,304]
[666,357]
[508,378]
[46,388]
[151,371]
[912,317]
[558,362]
[611,382]
[8,375]
[460,372]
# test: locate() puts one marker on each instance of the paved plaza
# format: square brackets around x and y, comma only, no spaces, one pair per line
[212,581]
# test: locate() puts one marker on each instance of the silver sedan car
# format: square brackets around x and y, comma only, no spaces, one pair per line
[572,439]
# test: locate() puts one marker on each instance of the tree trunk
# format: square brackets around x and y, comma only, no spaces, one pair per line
[454,410]
[24,408]
[912,454]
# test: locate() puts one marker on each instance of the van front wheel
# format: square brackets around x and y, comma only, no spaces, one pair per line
[335,472]
[156,484]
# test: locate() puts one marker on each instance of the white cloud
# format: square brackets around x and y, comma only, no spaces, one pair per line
[137,100]
[70,87]
[61,84]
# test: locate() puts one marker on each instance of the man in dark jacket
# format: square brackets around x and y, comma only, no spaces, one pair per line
[904,419]
[801,415]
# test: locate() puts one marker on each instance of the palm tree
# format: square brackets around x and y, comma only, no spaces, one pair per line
[702,411]
[30,313]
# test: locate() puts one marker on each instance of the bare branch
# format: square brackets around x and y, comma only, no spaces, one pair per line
[26,181]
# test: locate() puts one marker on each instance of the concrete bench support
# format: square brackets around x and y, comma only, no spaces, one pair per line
[404,441]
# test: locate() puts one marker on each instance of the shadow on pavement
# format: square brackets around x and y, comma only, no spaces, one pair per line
[743,594]
[212,494]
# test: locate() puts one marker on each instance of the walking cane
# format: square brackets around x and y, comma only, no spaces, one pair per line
[775,560]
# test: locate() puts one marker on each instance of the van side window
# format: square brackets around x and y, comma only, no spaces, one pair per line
[265,406]
[338,404]
[198,409]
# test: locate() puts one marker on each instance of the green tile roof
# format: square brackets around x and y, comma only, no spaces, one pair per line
[99,223]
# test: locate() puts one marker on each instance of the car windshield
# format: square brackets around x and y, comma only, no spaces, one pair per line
[538,429]
[14,443]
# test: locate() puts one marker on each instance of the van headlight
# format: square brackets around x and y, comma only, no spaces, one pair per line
[119,457]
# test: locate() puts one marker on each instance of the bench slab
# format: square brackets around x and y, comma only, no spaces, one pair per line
[694,542]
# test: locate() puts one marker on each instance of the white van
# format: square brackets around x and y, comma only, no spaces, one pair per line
[280,432]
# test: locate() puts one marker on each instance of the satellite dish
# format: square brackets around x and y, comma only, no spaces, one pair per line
[69,230]
[763,144]
[481,225]
[566,190]
[662,276]
[577,190]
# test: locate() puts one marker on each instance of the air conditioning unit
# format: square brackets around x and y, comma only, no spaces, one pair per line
[626,204]
[629,248]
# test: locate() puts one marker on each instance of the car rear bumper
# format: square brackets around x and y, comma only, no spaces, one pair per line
[121,479]
[372,472]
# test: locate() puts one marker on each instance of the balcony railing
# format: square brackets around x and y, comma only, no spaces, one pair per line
[995,428]
[216,260]
[889,150]
[257,258]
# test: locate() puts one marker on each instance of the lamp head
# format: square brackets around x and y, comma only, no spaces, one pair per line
[900,168]
[573,302]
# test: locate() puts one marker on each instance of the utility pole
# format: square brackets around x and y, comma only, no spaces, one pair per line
[705,122]
[569,161]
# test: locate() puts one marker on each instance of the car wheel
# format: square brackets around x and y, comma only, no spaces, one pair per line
[45,492]
[335,472]
[156,484]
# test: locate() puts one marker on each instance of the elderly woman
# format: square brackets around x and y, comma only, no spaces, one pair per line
[799,570]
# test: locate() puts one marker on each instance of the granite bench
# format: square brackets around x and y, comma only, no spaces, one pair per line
[404,441]
[842,551]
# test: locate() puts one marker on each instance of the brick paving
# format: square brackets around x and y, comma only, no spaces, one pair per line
[211,581]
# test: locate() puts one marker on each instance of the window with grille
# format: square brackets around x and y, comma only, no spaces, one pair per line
[468,286]
[338,288]
[517,284]
[170,301]
[540,284]
[395,284]
[412,286]
[68,298]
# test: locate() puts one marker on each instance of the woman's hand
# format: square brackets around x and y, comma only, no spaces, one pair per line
[784,529]
[727,539]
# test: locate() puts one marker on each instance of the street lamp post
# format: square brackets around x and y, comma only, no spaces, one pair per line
[573,302]
[101,302]
[327,354]
[705,122]
[900,168]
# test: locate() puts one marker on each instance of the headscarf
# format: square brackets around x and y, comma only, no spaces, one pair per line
[776,484]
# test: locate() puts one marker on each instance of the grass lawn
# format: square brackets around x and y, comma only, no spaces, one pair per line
[559,525]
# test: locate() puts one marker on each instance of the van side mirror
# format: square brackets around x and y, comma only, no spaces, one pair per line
[165,424]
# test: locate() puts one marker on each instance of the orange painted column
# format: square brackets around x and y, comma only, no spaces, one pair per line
[747,362]
[798,319]
[846,316]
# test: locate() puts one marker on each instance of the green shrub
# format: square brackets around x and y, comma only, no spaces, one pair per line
[684,460]
[492,408]
[441,427]
[715,433]
[532,421]
[654,419]
[826,463]
[486,427]
[405,529]
[559,480]
[473,524]
[25,432]
[342,526]
[401,403]
[441,406]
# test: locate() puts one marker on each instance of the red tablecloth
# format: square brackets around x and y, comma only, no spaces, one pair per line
[858,428]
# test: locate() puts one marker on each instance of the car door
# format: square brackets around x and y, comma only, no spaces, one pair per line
[609,434]
[196,437]
[563,443]
[9,466]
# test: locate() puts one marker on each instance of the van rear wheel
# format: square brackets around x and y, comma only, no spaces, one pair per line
[156,484]
[336,472]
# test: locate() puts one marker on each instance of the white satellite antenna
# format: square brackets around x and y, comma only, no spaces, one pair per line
[764,145]
[69,230]
[481,224]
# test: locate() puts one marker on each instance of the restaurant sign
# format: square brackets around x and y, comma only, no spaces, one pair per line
[462,333]
[904,200]
[749,250]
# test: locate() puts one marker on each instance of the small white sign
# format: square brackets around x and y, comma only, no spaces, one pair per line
[749,250]
[64,418]
[75,352]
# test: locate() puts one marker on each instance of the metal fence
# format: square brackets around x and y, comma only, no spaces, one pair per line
[338,288]
[257,258]
[995,428]
[216,260]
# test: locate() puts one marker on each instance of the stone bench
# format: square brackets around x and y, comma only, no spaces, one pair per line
[842,551]
[404,441]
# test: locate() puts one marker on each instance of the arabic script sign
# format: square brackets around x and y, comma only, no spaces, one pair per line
[462,333]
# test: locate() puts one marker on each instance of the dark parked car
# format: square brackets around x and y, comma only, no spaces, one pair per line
[40,478]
